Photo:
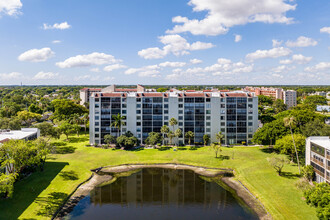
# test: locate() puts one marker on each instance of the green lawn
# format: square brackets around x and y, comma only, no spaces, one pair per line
[38,196]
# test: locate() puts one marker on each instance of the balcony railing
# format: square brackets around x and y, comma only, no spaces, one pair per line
[318,162]
[319,172]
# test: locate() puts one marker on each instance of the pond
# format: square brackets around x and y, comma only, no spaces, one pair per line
[154,193]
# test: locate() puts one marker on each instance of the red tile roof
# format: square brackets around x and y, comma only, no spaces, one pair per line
[152,94]
[236,94]
[126,90]
[196,94]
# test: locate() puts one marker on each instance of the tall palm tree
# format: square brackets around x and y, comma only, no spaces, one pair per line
[170,135]
[219,137]
[118,122]
[173,122]
[85,120]
[164,130]
[189,135]
[177,134]
[291,122]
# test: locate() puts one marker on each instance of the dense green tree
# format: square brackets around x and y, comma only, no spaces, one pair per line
[48,130]
[319,197]
[206,139]
[270,132]
[265,100]
[64,109]
[285,145]
[85,118]
[154,138]
[109,139]
[315,128]
[28,117]
[35,109]
[7,185]
[10,123]
[127,142]
[279,106]
[189,135]
[308,172]
[277,162]
[66,128]
[315,100]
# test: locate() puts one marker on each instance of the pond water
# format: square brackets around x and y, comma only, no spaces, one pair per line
[161,194]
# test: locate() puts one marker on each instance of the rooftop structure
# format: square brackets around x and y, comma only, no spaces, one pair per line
[318,155]
[23,134]
[235,114]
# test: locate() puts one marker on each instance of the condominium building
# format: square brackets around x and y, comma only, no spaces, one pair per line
[289,97]
[86,93]
[235,114]
[318,155]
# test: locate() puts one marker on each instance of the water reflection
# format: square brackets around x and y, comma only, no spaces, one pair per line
[161,194]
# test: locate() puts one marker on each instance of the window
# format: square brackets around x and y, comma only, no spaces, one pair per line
[123,111]
[222,100]
[223,130]
[165,111]
[208,100]
[138,117]
[180,111]
[249,99]
[138,99]
[180,105]
[208,123]
[208,111]
[180,123]
[165,105]
[223,111]
[222,117]
[138,111]
[250,135]
[250,117]
[123,105]
[180,117]
[97,129]
[250,124]
[180,100]
[138,129]
[97,99]
[166,100]
[97,135]
[250,106]
[166,118]
[166,123]
[97,105]
[208,129]
[138,123]
[138,105]
[208,117]
[223,124]
[123,99]
[97,123]
[97,117]
[208,105]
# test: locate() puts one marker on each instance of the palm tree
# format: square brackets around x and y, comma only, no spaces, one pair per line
[118,122]
[170,135]
[75,119]
[173,122]
[85,119]
[291,122]
[189,135]
[219,137]
[164,130]
[177,133]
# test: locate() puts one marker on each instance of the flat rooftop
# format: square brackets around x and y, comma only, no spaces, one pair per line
[321,141]
[17,134]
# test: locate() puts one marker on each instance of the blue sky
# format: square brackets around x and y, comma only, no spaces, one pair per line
[164,42]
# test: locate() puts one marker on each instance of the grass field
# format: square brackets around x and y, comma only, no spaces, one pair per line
[39,195]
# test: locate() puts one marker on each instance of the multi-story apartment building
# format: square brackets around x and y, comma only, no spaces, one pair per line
[318,155]
[235,114]
[86,93]
[289,97]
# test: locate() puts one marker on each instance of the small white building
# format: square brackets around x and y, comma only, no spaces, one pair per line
[23,134]
[318,155]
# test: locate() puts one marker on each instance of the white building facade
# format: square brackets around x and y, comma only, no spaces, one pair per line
[318,155]
[290,98]
[235,114]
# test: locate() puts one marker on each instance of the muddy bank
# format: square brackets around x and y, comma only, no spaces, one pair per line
[107,174]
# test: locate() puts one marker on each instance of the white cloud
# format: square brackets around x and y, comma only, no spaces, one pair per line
[46,75]
[59,26]
[109,78]
[297,58]
[56,41]
[114,67]
[223,14]
[174,44]
[172,64]
[276,75]
[87,77]
[10,7]
[325,30]
[87,60]
[272,53]
[283,68]
[301,42]
[12,75]
[95,70]
[238,38]
[149,73]
[36,55]
[318,67]
[146,69]
[276,43]
[196,61]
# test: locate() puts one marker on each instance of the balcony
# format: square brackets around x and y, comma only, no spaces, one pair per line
[318,162]
[319,172]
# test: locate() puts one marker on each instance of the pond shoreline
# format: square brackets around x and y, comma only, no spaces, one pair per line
[105,174]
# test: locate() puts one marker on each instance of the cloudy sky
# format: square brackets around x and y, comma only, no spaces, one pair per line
[164,42]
